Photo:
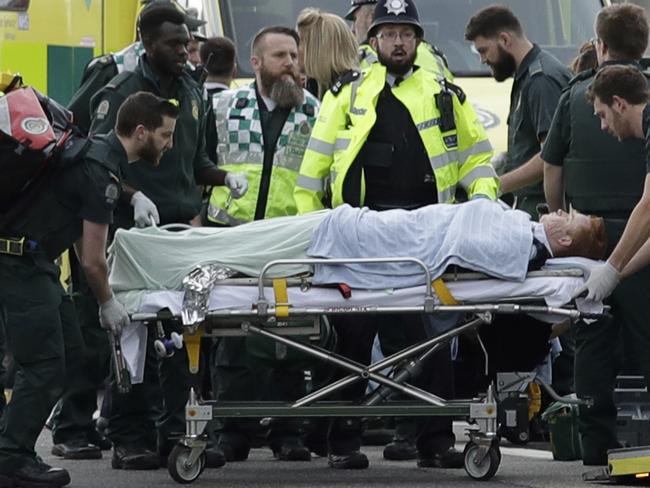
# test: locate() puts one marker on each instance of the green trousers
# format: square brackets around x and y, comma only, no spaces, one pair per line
[43,336]
[152,414]
[601,348]
[73,414]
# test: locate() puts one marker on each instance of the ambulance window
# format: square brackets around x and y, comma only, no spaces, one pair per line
[560,26]
[14,5]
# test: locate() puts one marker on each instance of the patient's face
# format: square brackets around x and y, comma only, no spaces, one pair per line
[565,223]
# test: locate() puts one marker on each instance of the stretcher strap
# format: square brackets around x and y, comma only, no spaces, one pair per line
[281,298]
[443,292]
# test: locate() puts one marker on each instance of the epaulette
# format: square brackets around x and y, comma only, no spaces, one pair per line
[100,61]
[449,86]
[535,68]
[345,79]
[119,80]
[437,52]
[583,75]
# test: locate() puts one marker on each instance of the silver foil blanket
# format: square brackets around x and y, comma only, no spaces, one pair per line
[197,286]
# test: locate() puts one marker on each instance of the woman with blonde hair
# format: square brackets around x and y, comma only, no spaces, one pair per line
[327,47]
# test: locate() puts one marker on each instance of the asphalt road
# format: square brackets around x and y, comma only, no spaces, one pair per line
[520,468]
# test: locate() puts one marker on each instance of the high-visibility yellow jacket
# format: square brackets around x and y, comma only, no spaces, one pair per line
[426,57]
[460,156]
[241,148]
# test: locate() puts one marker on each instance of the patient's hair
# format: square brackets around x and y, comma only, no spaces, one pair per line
[589,242]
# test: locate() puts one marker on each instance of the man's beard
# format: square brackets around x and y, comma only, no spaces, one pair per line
[149,153]
[505,66]
[397,68]
[286,92]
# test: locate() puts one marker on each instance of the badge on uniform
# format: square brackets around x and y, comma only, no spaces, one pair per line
[102,110]
[112,193]
[195,110]
[396,7]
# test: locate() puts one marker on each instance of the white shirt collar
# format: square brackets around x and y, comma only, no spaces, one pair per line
[269,102]
[390,77]
[540,234]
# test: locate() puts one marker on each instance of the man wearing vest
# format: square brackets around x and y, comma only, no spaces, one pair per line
[539,79]
[428,57]
[263,130]
[75,207]
[171,194]
[394,137]
[602,176]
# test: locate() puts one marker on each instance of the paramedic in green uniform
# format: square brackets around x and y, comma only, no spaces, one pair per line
[39,320]
[539,79]
[168,194]
[74,435]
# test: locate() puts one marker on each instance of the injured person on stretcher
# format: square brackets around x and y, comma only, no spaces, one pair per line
[479,235]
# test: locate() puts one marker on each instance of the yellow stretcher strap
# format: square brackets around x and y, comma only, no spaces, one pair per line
[281,298]
[443,292]
[193,347]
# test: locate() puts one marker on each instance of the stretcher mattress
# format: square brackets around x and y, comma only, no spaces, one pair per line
[554,290]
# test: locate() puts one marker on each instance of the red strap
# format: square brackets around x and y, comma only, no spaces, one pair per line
[346,291]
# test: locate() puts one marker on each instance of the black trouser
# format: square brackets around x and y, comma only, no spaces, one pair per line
[43,336]
[355,337]
[600,349]
[240,376]
[152,414]
[73,415]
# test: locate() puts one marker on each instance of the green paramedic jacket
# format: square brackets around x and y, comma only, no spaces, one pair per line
[241,148]
[460,156]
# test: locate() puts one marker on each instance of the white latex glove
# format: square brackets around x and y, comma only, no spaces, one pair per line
[238,184]
[601,283]
[145,212]
[113,316]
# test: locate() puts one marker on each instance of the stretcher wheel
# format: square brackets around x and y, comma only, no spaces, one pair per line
[178,467]
[487,468]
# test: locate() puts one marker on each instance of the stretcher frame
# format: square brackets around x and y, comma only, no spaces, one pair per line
[482,455]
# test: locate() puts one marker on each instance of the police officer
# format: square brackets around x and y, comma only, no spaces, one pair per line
[394,137]
[168,195]
[273,119]
[75,207]
[601,176]
[103,69]
[429,57]
[539,79]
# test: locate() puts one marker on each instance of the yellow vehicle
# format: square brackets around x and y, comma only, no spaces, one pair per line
[559,26]
[49,42]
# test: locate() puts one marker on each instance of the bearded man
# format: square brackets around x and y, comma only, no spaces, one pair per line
[539,79]
[262,131]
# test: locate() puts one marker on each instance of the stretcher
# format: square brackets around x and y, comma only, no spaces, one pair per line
[268,307]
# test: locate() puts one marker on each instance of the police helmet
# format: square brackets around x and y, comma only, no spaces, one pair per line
[396,12]
[354,6]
